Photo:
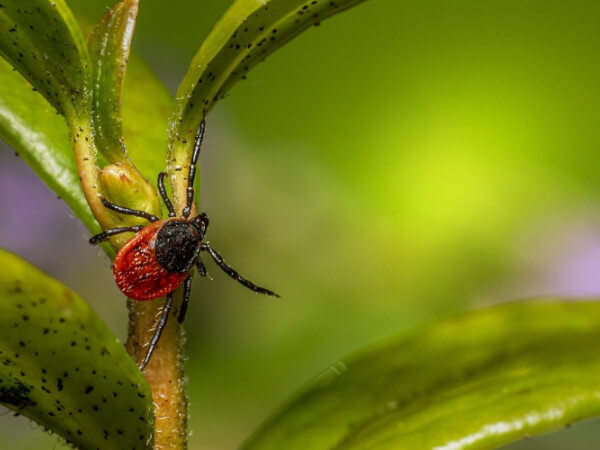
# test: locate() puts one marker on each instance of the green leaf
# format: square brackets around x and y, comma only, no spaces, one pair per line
[483,379]
[109,47]
[147,105]
[42,40]
[30,125]
[248,32]
[41,137]
[62,367]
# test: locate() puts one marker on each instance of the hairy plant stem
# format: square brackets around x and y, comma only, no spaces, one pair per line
[164,372]
[179,156]
[87,167]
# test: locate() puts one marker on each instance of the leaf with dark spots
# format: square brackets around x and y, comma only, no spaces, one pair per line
[16,395]
[247,33]
[42,40]
[35,369]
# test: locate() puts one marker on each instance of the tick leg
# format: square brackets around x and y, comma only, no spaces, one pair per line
[163,194]
[192,173]
[128,211]
[160,326]
[201,267]
[233,274]
[187,288]
[108,233]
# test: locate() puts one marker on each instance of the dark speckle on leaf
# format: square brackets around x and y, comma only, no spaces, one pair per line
[16,395]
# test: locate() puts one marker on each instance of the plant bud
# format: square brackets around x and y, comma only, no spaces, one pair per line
[123,185]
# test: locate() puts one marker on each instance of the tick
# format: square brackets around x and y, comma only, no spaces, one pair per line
[161,255]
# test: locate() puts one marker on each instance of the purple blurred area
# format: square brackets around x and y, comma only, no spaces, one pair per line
[30,209]
[40,228]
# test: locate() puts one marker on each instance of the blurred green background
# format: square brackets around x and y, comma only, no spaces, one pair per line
[402,162]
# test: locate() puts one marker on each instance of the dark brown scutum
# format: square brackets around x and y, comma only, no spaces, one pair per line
[177,245]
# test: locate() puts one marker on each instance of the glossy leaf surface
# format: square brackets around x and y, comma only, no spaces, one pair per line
[248,32]
[62,367]
[43,41]
[31,126]
[486,378]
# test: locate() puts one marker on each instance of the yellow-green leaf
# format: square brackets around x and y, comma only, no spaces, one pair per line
[61,366]
[480,380]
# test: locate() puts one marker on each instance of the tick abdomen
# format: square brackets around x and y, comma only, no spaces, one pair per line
[137,271]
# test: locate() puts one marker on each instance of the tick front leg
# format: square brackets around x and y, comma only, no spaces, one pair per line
[233,273]
[192,172]
[129,211]
[160,326]
[163,194]
[101,237]
[187,288]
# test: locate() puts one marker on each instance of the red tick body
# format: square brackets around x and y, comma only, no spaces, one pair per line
[137,271]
